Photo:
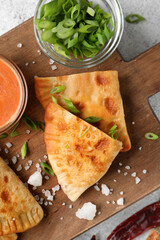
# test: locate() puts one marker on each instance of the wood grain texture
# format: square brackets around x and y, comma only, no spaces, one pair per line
[139,79]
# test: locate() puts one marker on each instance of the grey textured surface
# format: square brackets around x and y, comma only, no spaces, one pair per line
[154,102]
[136,39]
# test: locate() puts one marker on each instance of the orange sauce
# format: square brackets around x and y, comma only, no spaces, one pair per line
[10,94]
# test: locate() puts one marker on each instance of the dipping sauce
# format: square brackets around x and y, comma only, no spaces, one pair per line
[12,91]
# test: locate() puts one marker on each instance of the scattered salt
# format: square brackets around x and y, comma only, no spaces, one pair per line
[119,171]
[127,167]
[13,219]
[9,145]
[120,201]
[113,202]
[133,123]
[107,202]
[27,168]
[18,155]
[28,131]
[96,188]
[53,67]
[99,213]
[30,162]
[45,156]
[50,203]
[133,174]
[105,189]
[34,188]
[144,171]
[19,45]
[140,148]
[35,179]
[70,206]
[38,167]
[55,189]
[125,173]
[88,211]
[63,204]
[26,64]
[6,150]
[19,168]
[114,180]
[39,52]
[14,159]
[46,203]
[36,197]
[61,218]
[46,177]
[137,180]
[121,193]
[51,61]
[34,62]
[120,164]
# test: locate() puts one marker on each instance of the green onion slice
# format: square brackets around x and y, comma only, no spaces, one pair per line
[54,100]
[70,106]
[92,119]
[134,18]
[15,133]
[91,11]
[3,135]
[46,168]
[40,125]
[151,136]
[113,132]
[29,122]
[57,89]
[158,230]
[67,146]
[83,133]
[24,150]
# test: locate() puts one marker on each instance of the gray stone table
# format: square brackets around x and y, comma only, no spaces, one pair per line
[136,39]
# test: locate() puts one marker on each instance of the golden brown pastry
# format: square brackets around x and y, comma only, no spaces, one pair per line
[79,153]
[94,94]
[19,210]
[9,237]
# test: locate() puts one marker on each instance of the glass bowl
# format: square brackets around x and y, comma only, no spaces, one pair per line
[111,6]
[24,95]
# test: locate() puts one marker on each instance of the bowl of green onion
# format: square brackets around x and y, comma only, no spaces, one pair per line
[78,33]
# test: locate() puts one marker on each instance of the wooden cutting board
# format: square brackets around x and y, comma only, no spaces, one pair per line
[139,79]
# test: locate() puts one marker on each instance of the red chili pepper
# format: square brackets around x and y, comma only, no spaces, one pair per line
[148,217]
[93,237]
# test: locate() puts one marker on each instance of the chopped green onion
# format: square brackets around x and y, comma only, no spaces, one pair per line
[70,106]
[92,119]
[24,150]
[54,100]
[57,89]
[67,146]
[151,136]
[83,133]
[15,133]
[29,122]
[113,132]
[40,125]
[46,168]
[134,18]
[90,11]
[3,135]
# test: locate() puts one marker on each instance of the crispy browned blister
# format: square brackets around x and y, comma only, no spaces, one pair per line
[154,235]
[79,153]
[19,210]
[94,94]
[13,236]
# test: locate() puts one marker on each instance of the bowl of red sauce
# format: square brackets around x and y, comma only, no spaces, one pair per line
[13,94]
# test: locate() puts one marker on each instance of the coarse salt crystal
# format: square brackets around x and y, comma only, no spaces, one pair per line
[51,61]
[30,162]
[38,167]
[43,173]
[50,203]
[114,180]
[56,188]
[18,155]
[133,174]
[99,213]
[61,218]
[36,197]
[39,52]
[13,219]
[140,148]
[50,198]
[96,188]
[46,177]
[27,168]
[120,201]
[113,202]
[46,203]
[133,123]
[119,171]
[34,188]
[34,62]
[6,150]
[35,179]
[105,189]
[127,167]
[107,202]
[125,173]
[88,211]
[137,180]
[28,131]
[19,45]
[14,159]
[70,206]
[121,193]
[63,204]
[120,164]
[9,145]
[19,168]
[26,64]
[144,171]
[45,156]
[53,67]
